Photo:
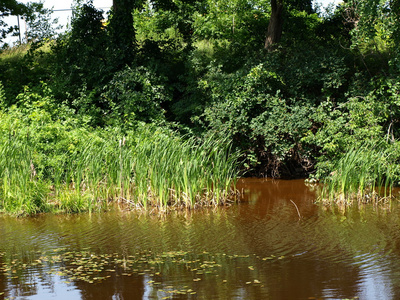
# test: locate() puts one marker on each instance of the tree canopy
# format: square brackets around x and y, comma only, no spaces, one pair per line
[38,20]
[7,8]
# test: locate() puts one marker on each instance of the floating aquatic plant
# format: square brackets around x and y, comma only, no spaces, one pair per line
[161,271]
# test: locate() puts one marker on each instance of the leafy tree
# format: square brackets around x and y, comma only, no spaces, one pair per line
[122,31]
[40,25]
[12,7]
[8,8]
[275,24]
[81,61]
[375,31]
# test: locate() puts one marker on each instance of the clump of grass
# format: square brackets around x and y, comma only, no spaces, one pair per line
[156,169]
[15,52]
[145,168]
[20,191]
[364,174]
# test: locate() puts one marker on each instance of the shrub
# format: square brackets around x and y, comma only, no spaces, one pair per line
[135,95]
[250,109]
[371,117]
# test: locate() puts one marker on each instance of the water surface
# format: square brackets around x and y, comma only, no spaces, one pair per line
[276,244]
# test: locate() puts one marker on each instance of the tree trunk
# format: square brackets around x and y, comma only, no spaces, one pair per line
[275,24]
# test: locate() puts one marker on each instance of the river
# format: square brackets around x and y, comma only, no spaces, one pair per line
[277,243]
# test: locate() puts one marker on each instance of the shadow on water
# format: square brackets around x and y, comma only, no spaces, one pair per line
[275,244]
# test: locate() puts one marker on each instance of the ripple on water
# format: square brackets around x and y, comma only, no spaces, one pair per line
[327,253]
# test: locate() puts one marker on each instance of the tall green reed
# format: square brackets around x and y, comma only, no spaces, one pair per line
[143,168]
[20,190]
[363,174]
[186,171]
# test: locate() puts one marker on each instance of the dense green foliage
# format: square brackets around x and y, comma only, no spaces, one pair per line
[53,161]
[328,89]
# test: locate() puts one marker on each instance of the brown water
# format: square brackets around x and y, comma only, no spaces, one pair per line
[259,249]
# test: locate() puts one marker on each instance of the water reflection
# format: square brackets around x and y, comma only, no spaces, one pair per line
[276,244]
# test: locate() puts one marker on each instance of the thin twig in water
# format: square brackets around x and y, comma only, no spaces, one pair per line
[298,212]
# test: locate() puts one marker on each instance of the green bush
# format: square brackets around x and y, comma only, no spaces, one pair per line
[250,109]
[49,128]
[372,118]
[135,95]
[23,66]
